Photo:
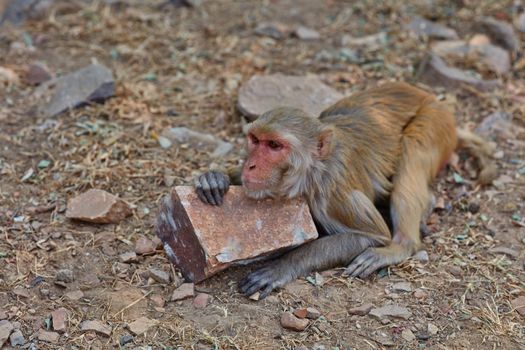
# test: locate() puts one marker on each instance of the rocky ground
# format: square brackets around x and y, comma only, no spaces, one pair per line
[133,70]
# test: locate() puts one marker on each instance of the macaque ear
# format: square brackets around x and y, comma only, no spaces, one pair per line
[324,143]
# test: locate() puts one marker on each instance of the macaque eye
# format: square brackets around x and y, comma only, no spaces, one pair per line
[274,145]
[253,139]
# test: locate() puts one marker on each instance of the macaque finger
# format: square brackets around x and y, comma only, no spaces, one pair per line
[206,190]
[214,187]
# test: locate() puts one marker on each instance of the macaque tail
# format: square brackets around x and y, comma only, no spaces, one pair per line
[482,151]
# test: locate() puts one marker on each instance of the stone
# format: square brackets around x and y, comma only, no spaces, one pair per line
[420,294]
[520,22]
[186,290]
[495,125]
[96,326]
[158,300]
[196,140]
[159,275]
[201,300]
[18,11]
[128,257]
[434,71]
[59,318]
[21,292]
[209,239]
[312,313]
[141,325]
[47,336]
[125,339]
[305,33]
[65,275]
[370,42]
[493,57]
[8,76]
[501,33]
[262,93]
[36,74]
[300,313]
[421,256]
[273,30]
[74,295]
[432,329]
[408,335]
[391,310]
[289,321]
[361,310]
[98,206]
[505,250]
[518,304]
[144,246]
[5,330]
[402,287]
[93,83]
[16,338]
[425,28]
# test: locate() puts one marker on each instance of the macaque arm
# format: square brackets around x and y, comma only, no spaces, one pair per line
[326,252]
[323,253]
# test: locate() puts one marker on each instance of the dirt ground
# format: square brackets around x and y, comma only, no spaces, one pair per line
[182,66]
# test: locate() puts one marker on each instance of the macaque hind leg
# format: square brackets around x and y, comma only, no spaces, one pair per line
[410,202]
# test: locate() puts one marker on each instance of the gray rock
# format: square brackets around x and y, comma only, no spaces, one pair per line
[17,338]
[391,310]
[520,22]
[494,57]
[370,42]
[18,11]
[497,124]
[5,329]
[65,275]
[195,139]
[425,28]
[305,33]
[159,276]
[93,83]
[501,33]
[262,93]
[402,287]
[434,71]
[273,30]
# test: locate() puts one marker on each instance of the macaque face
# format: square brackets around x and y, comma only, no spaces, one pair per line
[268,159]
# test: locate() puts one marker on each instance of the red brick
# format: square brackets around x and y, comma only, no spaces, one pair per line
[211,238]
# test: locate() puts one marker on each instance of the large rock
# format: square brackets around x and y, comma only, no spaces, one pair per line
[99,207]
[262,93]
[501,33]
[18,11]
[494,57]
[208,239]
[425,28]
[5,330]
[434,71]
[93,83]
[195,139]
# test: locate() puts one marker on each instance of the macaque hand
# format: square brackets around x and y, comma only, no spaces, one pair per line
[265,280]
[211,187]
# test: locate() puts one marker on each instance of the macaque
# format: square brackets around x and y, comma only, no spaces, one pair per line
[384,144]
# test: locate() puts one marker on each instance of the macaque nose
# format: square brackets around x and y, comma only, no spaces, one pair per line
[251,167]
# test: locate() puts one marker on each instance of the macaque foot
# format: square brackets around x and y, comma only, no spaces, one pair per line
[211,187]
[263,281]
[366,263]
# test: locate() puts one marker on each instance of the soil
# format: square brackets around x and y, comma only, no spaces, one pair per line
[182,66]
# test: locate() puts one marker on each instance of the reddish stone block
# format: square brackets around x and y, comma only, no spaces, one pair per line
[208,239]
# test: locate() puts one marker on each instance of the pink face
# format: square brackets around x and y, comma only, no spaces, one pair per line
[267,157]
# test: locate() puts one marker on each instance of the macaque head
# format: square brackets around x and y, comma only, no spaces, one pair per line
[283,146]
